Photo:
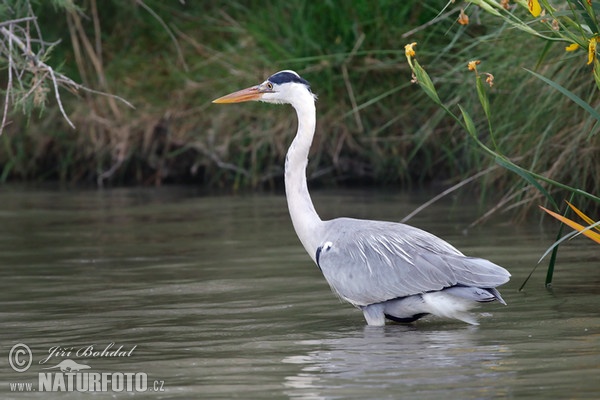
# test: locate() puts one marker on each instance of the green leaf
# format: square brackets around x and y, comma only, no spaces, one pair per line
[487,7]
[483,98]
[543,54]
[527,176]
[425,82]
[469,124]
[552,262]
[587,13]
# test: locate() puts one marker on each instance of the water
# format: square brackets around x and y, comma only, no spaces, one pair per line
[213,297]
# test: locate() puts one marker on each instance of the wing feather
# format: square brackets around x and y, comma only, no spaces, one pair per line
[368,262]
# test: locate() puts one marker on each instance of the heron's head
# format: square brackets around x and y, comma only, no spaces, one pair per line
[282,87]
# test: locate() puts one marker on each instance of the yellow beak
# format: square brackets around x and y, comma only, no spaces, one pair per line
[248,94]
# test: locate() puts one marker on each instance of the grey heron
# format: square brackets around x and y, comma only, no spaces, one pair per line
[389,270]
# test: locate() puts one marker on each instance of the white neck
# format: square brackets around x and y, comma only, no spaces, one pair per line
[304,217]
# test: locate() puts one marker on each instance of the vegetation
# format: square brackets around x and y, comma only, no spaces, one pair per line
[577,26]
[170,59]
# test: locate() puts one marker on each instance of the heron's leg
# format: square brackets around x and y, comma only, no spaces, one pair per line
[374,314]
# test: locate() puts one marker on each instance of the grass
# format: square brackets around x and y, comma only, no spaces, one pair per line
[374,126]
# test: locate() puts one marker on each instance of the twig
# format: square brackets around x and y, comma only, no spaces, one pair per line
[228,166]
[57,95]
[37,29]
[77,86]
[496,207]
[217,160]
[429,23]
[8,86]
[17,21]
[448,191]
[110,172]
[167,29]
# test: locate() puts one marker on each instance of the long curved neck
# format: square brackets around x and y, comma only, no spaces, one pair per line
[305,219]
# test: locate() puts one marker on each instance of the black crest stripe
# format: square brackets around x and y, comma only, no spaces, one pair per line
[285,77]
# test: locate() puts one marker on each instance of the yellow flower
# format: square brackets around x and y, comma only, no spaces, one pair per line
[463,18]
[534,7]
[572,47]
[409,49]
[592,49]
[472,65]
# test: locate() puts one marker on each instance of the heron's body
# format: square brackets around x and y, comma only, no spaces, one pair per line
[387,269]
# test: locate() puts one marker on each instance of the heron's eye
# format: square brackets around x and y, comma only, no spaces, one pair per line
[269,86]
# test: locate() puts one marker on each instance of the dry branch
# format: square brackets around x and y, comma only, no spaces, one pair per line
[16,49]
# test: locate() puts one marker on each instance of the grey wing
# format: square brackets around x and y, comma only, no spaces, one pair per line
[368,262]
